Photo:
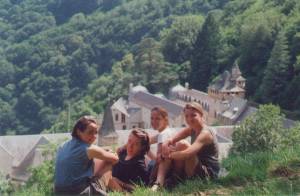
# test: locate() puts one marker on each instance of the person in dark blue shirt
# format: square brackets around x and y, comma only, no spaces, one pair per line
[80,164]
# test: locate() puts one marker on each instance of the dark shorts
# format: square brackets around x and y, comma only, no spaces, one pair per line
[205,172]
[93,186]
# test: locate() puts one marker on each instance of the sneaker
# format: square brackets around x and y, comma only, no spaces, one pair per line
[156,186]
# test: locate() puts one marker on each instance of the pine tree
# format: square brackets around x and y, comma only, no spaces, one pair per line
[149,62]
[277,71]
[204,57]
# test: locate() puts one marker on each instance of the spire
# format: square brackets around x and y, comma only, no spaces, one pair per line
[107,126]
[235,71]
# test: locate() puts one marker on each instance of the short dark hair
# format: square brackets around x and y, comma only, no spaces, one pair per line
[144,138]
[162,111]
[82,124]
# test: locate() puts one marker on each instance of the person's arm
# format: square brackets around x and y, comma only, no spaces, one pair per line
[180,135]
[141,173]
[204,138]
[96,152]
[153,139]
[151,155]
[172,141]
[159,153]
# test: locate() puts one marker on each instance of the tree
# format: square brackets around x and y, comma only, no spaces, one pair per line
[277,72]
[149,62]
[205,53]
[64,9]
[7,73]
[178,40]
[7,117]
[257,35]
[27,110]
[81,75]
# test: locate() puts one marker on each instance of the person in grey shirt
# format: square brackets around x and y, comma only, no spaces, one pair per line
[200,158]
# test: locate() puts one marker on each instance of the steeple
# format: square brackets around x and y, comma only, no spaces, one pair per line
[235,71]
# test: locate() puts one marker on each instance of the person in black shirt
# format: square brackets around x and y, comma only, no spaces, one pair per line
[131,168]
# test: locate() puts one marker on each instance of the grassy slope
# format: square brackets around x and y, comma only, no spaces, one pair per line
[252,174]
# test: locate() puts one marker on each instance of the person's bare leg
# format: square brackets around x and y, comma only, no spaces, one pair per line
[163,169]
[190,166]
[101,167]
[179,165]
[115,185]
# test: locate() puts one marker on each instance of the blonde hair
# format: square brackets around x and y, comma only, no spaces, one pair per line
[195,106]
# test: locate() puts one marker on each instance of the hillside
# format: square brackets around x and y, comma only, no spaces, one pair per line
[62,59]
[260,162]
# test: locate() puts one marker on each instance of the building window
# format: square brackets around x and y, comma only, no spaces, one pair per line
[116,117]
[124,127]
[123,118]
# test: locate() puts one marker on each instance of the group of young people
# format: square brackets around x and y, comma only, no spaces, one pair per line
[84,168]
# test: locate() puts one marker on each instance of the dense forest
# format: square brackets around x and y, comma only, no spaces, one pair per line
[60,59]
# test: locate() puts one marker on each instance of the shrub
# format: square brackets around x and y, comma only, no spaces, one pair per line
[261,131]
[291,137]
[5,186]
[41,180]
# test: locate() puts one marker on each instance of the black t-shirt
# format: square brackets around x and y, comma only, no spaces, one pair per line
[131,171]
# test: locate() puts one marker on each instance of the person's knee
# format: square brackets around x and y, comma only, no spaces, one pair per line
[182,145]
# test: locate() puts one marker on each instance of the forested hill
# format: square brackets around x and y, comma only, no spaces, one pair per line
[60,59]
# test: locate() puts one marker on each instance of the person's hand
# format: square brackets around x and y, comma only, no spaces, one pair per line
[167,148]
[159,158]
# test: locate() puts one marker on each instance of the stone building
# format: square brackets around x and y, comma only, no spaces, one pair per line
[228,84]
[223,104]
[135,111]
[19,153]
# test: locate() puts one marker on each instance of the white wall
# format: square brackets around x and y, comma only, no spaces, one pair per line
[5,161]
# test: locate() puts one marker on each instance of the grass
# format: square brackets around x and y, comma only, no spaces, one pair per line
[261,173]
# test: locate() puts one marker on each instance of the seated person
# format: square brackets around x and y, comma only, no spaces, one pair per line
[131,168]
[158,167]
[160,122]
[80,164]
[199,158]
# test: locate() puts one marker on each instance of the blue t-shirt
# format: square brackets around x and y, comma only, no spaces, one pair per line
[73,167]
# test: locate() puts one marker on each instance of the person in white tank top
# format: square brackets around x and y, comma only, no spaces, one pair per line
[160,122]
